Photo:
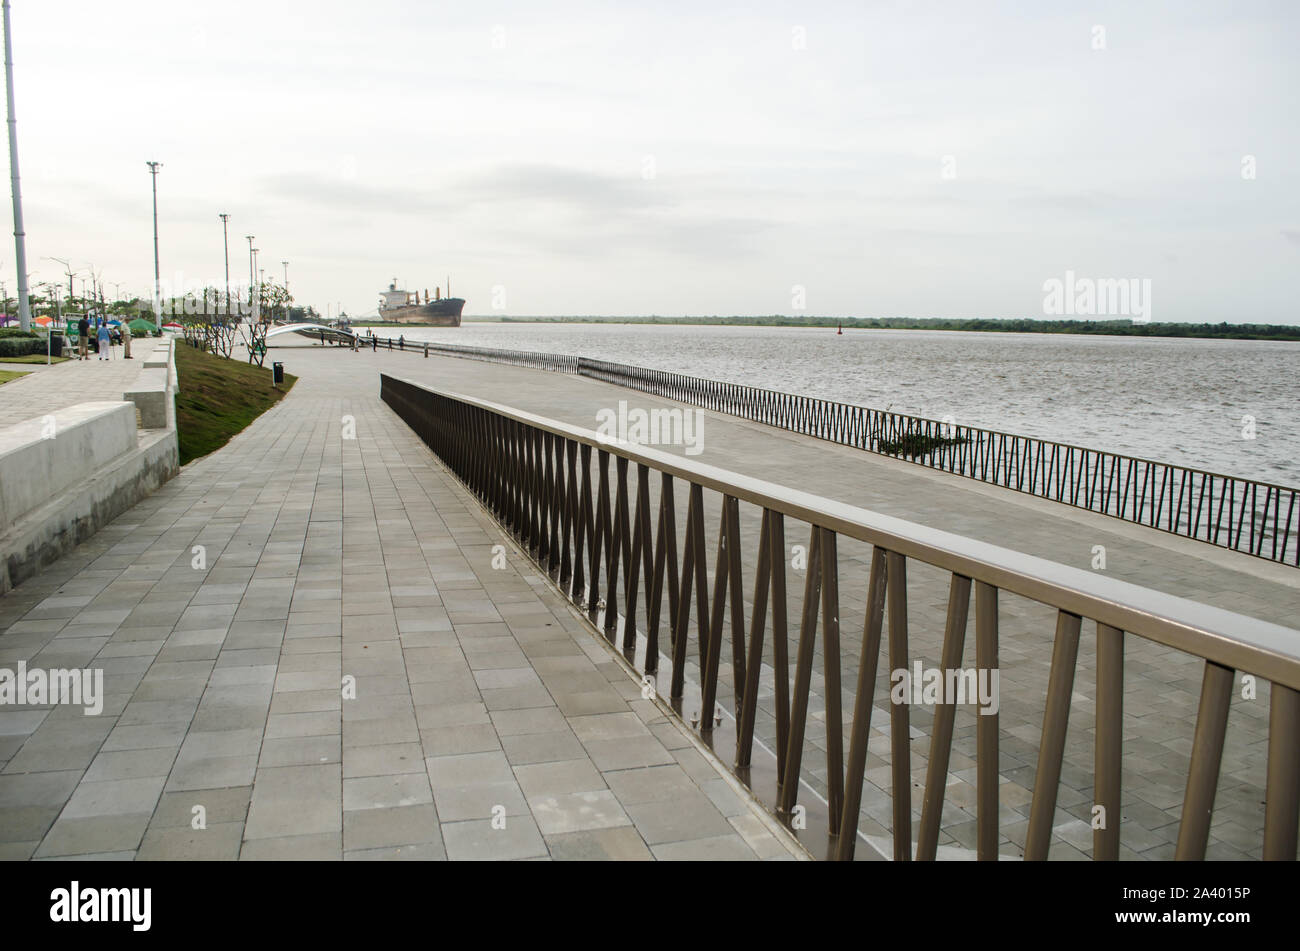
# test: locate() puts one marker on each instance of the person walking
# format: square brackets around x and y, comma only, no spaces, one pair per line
[83,337]
[105,341]
[126,339]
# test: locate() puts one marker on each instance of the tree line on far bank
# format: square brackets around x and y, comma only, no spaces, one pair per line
[1118,328]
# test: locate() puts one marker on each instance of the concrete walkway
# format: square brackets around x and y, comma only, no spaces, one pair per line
[478,716]
[61,384]
[1162,685]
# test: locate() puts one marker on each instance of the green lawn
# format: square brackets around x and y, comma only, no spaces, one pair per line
[218,398]
[7,375]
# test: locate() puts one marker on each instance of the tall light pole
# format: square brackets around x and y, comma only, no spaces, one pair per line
[225,243]
[20,236]
[58,319]
[250,270]
[157,280]
[257,306]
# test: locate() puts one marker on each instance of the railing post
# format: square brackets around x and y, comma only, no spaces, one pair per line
[1109,743]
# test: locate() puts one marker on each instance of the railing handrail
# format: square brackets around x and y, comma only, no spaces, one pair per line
[1232,640]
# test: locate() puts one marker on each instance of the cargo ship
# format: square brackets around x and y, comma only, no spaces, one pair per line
[402,307]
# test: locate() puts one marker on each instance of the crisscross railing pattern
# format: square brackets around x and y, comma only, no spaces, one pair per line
[1258,518]
[591,527]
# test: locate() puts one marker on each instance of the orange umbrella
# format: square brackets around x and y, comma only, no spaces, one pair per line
[43,321]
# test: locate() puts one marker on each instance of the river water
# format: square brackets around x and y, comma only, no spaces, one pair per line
[1190,402]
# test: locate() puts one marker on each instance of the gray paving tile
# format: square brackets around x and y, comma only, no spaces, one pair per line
[725,848]
[318,847]
[380,792]
[390,827]
[563,776]
[577,811]
[219,842]
[619,844]
[89,835]
[296,801]
[691,816]
[479,841]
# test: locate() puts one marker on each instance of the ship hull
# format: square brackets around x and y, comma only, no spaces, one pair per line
[437,313]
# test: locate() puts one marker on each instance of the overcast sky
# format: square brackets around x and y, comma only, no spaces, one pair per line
[891,158]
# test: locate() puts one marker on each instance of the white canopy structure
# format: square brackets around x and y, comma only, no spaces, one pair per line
[316,331]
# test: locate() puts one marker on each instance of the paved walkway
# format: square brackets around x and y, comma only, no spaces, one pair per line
[1162,686]
[227,609]
[61,384]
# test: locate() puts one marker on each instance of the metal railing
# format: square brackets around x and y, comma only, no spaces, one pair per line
[1245,515]
[549,484]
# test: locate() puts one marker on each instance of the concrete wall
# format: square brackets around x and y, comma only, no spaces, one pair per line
[42,457]
[66,475]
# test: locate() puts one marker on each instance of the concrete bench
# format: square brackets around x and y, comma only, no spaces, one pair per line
[160,356]
[152,395]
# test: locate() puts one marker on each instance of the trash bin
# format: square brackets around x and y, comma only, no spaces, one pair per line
[277,373]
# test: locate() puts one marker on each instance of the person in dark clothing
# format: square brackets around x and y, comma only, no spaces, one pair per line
[83,338]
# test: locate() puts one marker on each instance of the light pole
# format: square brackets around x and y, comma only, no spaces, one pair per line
[157,302]
[20,236]
[225,243]
[58,320]
[250,270]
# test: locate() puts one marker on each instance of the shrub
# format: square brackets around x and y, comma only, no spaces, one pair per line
[918,444]
[17,346]
[20,346]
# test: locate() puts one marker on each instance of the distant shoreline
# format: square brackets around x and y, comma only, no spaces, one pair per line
[1106,328]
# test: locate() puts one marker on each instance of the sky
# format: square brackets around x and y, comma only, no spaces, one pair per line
[865,159]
